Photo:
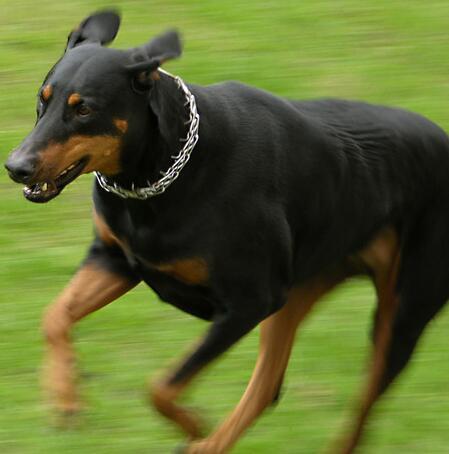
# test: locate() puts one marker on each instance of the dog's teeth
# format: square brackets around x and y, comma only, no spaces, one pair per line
[44,187]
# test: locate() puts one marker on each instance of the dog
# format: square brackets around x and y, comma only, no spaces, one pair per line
[238,207]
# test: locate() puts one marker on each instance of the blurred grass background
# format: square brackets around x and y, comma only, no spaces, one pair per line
[392,52]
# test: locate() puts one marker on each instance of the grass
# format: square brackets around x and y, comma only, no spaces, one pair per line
[380,51]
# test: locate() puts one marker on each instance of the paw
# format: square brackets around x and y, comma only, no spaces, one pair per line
[67,419]
[198,447]
[67,416]
[193,424]
[163,399]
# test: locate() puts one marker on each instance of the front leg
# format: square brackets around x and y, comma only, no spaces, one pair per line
[245,288]
[277,334]
[226,330]
[104,277]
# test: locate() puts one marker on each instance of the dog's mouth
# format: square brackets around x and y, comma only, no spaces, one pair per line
[46,190]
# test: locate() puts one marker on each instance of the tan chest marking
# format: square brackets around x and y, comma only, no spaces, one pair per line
[103,230]
[192,271]
[107,235]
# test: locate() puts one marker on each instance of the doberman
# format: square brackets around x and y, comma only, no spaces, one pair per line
[238,207]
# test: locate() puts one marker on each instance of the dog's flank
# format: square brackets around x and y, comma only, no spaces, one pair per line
[277,202]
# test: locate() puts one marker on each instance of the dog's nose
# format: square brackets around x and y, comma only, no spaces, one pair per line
[20,170]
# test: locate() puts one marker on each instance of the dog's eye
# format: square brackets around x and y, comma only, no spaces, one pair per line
[41,101]
[41,104]
[83,110]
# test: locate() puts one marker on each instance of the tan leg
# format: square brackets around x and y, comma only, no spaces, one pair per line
[163,396]
[91,288]
[385,282]
[276,340]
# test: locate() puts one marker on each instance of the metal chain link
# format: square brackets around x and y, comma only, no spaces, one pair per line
[181,158]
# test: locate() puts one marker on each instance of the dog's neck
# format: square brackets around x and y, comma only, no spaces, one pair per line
[167,118]
[168,104]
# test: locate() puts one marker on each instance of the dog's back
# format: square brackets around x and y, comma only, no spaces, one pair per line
[344,168]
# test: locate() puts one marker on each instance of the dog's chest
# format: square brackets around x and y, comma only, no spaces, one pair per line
[171,253]
[177,277]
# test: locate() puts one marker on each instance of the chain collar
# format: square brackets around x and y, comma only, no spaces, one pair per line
[180,160]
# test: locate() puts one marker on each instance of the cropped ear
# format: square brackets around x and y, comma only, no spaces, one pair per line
[101,27]
[150,56]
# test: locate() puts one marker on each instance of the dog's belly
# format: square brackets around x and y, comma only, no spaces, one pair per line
[194,299]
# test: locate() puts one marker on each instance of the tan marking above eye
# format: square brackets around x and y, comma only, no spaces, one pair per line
[74,99]
[47,92]
[193,271]
[102,152]
[121,125]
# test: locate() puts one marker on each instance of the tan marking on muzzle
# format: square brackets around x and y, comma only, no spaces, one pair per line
[121,125]
[74,99]
[47,92]
[102,152]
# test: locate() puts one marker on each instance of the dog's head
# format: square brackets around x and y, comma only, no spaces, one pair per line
[88,104]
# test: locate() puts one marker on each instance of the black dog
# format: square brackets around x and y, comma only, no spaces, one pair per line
[238,207]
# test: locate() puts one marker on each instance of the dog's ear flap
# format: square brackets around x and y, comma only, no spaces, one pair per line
[101,27]
[152,55]
[164,47]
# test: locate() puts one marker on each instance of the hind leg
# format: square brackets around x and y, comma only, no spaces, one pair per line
[388,301]
[391,357]
[409,298]
[414,313]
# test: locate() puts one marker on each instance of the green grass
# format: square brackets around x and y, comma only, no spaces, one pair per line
[392,52]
